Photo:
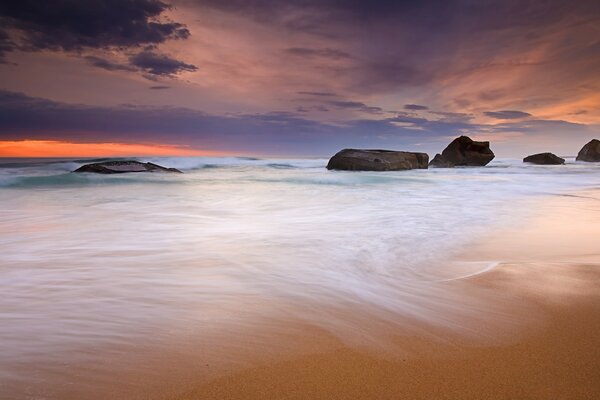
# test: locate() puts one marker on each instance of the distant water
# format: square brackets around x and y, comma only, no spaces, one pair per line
[92,260]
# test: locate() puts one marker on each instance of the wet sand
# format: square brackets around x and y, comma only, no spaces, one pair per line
[549,276]
[528,328]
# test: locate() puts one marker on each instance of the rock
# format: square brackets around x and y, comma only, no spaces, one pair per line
[439,162]
[590,152]
[544,159]
[120,167]
[463,151]
[377,160]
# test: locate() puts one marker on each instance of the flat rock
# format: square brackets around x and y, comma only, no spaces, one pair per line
[544,159]
[121,167]
[463,151]
[590,152]
[377,160]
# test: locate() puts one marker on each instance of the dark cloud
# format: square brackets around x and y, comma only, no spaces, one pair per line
[159,87]
[507,114]
[159,64]
[355,105]
[107,64]
[75,25]
[325,53]
[275,132]
[305,109]
[152,64]
[25,117]
[435,13]
[320,94]
[274,10]
[407,43]
[6,45]
[415,107]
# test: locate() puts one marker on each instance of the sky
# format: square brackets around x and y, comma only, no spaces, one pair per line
[296,78]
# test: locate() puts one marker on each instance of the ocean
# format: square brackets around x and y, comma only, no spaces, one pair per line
[92,266]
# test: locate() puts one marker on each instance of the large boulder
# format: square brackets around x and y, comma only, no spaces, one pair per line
[377,160]
[544,159]
[120,167]
[590,152]
[463,151]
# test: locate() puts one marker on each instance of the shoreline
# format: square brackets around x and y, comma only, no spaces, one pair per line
[548,278]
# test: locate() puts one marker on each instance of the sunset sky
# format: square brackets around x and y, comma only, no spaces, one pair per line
[296,78]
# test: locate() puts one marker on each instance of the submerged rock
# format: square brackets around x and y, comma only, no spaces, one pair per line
[120,167]
[463,151]
[544,159]
[590,152]
[377,160]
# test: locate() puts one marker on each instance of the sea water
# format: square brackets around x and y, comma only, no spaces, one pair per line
[88,260]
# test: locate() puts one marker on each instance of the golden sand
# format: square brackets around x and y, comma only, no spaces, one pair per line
[549,272]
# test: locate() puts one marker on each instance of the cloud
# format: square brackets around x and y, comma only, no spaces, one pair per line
[477,53]
[273,132]
[6,45]
[107,64]
[306,109]
[148,62]
[319,94]
[97,24]
[91,26]
[415,107]
[160,64]
[37,118]
[408,120]
[159,87]
[355,105]
[452,116]
[278,132]
[507,114]
[325,53]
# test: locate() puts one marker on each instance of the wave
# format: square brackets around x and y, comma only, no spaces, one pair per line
[195,163]
[75,180]
[513,174]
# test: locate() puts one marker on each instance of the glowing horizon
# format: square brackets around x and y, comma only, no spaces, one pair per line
[54,148]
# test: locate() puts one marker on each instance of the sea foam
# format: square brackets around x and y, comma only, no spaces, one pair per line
[233,242]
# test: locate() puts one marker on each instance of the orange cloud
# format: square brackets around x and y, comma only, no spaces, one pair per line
[53,148]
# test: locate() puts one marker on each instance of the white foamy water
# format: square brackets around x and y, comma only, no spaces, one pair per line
[88,261]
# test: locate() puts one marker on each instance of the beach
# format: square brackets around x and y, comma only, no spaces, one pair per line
[255,279]
[312,200]
[551,268]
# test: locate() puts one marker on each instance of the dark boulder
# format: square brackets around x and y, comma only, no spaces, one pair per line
[120,167]
[544,159]
[377,160]
[463,151]
[439,162]
[590,152]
